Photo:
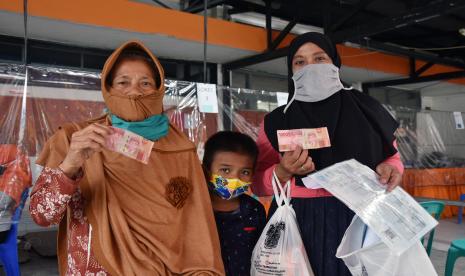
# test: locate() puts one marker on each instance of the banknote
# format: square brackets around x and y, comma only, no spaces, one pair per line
[129,144]
[306,138]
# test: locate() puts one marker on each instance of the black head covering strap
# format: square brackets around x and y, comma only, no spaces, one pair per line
[321,41]
[359,127]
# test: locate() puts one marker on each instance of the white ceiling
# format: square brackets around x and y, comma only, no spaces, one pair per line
[107,38]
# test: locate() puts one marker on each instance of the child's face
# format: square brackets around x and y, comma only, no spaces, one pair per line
[233,165]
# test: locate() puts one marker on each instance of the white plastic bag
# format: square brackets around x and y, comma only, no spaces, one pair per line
[280,250]
[374,258]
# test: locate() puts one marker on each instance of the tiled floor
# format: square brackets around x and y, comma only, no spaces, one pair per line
[47,266]
[446,231]
[438,258]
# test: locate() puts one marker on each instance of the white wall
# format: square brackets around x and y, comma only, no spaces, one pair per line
[445,103]
[444,96]
[259,81]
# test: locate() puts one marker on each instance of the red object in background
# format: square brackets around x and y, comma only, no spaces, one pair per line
[16,176]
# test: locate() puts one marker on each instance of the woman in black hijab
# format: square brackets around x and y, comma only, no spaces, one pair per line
[358,126]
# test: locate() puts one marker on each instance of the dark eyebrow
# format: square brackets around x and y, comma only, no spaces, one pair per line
[225,164]
[319,53]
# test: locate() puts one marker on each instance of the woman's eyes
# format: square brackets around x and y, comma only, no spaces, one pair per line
[321,59]
[120,83]
[147,83]
[317,59]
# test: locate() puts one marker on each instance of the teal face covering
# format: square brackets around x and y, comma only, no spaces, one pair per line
[152,128]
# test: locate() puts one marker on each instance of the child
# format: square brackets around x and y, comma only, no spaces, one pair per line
[229,163]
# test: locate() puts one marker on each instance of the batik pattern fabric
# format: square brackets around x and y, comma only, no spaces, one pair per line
[54,196]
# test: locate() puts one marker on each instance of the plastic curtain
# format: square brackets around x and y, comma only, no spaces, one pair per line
[431,146]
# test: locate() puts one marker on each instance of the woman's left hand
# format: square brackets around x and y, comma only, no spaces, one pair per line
[389,175]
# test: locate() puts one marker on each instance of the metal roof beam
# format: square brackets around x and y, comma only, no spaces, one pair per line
[269,30]
[412,66]
[423,55]
[282,34]
[162,4]
[392,49]
[358,8]
[200,7]
[403,81]
[354,35]
[251,60]
[244,6]
[413,16]
[423,69]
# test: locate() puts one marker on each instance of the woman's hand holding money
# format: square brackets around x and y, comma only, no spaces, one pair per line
[296,162]
[83,144]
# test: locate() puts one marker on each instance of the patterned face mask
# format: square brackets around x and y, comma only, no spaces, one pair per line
[228,188]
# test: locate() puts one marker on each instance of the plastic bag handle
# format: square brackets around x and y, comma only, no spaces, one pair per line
[277,195]
[284,193]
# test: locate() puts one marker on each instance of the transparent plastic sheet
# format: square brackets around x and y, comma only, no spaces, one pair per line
[243,110]
[56,96]
[431,145]
[15,172]
[431,140]
[432,149]
[181,106]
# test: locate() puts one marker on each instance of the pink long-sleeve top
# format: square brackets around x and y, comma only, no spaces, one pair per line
[268,158]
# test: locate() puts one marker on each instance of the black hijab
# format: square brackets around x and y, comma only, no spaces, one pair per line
[359,127]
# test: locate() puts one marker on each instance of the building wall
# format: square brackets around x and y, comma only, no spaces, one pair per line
[445,103]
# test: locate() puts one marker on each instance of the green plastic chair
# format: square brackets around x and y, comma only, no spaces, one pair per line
[435,208]
[456,250]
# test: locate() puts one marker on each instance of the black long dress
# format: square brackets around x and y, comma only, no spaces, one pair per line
[359,127]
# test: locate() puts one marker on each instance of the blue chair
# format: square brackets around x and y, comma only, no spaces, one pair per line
[9,249]
[434,208]
[459,216]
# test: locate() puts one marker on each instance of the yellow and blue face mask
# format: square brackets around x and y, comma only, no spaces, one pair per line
[228,188]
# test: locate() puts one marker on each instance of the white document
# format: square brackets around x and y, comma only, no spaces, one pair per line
[310,183]
[282,98]
[458,120]
[207,98]
[396,218]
